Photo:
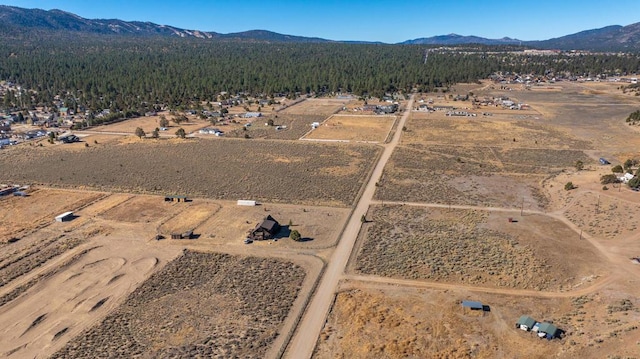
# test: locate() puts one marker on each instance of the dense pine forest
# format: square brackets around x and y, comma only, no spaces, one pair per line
[132,74]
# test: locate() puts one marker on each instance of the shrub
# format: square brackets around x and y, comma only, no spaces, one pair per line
[295,235]
[617,169]
[569,186]
[607,179]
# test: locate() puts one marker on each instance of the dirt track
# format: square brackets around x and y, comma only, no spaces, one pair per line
[304,341]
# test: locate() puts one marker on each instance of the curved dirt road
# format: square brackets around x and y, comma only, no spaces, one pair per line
[308,332]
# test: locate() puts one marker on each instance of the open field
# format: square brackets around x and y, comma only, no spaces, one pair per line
[440,129]
[390,322]
[20,215]
[149,123]
[292,127]
[316,106]
[319,226]
[471,175]
[475,247]
[605,216]
[66,279]
[272,171]
[354,128]
[594,112]
[217,308]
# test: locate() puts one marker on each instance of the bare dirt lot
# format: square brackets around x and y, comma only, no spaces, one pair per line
[21,215]
[316,106]
[274,171]
[285,127]
[199,305]
[354,128]
[391,322]
[475,247]
[319,226]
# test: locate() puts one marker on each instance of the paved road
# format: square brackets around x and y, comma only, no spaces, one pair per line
[308,332]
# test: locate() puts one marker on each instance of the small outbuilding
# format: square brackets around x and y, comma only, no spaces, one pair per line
[547,330]
[525,323]
[175,198]
[246,202]
[267,229]
[65,217]
[472,305]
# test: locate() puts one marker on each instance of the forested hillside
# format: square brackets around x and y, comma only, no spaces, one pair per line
[133,73]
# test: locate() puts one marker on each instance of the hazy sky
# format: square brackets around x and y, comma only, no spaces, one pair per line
[367,20]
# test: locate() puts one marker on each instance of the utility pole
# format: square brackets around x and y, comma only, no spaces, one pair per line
[522,207]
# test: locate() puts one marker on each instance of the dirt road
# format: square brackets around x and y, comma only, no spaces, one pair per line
[304,340]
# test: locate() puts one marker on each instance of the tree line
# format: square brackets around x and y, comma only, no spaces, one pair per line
[136,74]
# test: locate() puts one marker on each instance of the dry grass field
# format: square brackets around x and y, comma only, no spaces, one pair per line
[21,215]
[354,128]
[272,171]
[316,106]
[604,216]
[391,322]
[440,129]
[149,123]
[475,247]
[199,305]
[292,127]
[470,175]
[319,226]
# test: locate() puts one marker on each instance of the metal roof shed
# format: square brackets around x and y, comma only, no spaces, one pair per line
[549,330]
[525,322]
[66,216]
[471,304]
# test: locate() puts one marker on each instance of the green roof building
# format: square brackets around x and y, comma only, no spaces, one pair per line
[525,323]
[549,330]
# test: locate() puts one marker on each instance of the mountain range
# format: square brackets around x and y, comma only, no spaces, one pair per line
[15,22]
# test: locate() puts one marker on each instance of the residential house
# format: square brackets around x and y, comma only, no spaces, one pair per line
[267,229]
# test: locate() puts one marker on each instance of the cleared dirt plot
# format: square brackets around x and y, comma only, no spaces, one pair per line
[49,308]
[464,176]
[316,106]
[391,322]
[285,127]
[273,171]
[189,218]
[474,247]
[438,128]
[603,216]
[20,215]
[318,226]
[138,209]
[354,128]
[199,305]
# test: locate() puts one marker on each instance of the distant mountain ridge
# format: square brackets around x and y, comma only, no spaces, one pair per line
[16,21]
[455,39]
